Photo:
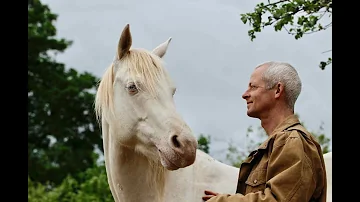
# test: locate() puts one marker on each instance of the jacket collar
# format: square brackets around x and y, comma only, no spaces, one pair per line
[287,123]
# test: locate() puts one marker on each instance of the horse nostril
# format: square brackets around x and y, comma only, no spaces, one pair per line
[175,142]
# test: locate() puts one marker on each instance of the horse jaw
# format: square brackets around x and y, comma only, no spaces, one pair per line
[157,145]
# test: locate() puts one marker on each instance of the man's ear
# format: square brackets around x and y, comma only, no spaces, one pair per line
[279,89]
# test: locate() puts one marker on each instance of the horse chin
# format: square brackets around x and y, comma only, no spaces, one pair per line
[167,163]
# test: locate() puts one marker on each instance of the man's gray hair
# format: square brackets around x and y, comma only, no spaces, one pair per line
[287,75]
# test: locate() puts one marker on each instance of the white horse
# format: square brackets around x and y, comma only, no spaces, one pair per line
[150,152]
[328,167]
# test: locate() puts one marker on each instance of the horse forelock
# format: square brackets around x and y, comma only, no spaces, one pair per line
[138,63]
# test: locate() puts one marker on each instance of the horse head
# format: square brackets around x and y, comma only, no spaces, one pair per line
[135,96]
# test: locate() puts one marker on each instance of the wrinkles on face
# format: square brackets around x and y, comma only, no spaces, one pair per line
[256,95]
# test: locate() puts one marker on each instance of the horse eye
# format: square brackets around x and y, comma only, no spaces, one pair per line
[132,89]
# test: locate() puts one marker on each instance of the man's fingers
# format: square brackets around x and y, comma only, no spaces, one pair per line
[207,192]
[209,195]
[205,198]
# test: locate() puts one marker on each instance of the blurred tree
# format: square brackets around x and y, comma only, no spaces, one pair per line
[62,128]
[236,155]
[281,13]
[92,187]
[204,143]
[321,138]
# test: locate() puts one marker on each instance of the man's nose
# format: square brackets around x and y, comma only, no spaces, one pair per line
[245,95]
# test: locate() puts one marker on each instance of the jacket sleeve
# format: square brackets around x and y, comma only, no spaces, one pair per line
[290,176]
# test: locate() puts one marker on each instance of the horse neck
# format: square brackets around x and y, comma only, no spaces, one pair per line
[132,176]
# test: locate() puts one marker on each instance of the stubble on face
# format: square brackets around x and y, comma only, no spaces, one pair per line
[257,97]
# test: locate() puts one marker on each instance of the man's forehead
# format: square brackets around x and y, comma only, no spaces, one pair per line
[256,76]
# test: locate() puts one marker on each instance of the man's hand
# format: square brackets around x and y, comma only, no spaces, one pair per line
[208,195]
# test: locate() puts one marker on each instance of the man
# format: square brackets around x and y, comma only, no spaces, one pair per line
[289,165]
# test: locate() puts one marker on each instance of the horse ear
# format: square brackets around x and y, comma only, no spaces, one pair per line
[124,42]
[160,50]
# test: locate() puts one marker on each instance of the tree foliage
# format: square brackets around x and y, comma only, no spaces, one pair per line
[90,185]
[297,17]
[204,143]
[236,155]
[62,128]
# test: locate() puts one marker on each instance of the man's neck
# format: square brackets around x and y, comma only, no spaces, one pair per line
[274,118]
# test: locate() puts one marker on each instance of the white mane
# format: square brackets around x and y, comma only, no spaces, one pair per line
[137,62]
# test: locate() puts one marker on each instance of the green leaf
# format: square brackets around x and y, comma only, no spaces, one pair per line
[243,18]
[281,14]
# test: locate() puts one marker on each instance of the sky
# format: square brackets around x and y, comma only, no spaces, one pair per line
[210,58]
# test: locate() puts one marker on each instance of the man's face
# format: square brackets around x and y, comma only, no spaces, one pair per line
[258,99]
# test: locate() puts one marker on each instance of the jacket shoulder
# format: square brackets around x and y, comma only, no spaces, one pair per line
[283,137]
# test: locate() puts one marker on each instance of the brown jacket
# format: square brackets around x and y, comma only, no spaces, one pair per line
[288,166]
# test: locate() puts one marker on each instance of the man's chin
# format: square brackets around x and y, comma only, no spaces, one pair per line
[251,114]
